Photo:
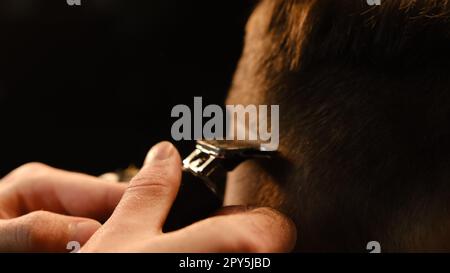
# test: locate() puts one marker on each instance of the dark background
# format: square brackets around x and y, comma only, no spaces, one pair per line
[90,88]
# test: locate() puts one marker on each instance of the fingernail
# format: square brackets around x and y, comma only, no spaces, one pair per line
[83,230]
[160,151]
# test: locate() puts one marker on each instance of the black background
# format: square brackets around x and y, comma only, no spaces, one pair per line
[90,88]
[297,262]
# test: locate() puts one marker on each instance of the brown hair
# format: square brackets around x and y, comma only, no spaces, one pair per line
[364,95]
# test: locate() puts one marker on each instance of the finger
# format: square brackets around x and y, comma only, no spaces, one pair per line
[42,231]
[259,230]
[36,186]
[151,193]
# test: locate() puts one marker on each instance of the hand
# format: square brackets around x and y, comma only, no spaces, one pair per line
[42,208]
[136,223]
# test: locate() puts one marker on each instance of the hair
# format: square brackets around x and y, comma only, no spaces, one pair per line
[364,95]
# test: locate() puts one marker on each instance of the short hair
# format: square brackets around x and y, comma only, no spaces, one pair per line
[364,95]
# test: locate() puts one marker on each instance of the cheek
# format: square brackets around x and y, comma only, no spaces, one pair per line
[250,185]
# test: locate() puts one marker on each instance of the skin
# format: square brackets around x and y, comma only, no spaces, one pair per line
[42,209]
[250,183]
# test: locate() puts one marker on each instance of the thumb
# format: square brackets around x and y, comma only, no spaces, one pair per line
[151,193]
[42,231]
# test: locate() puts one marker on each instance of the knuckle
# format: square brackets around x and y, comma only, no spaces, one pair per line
[36,219]
[29,172]
[155,181]
[37,216]
[33,167]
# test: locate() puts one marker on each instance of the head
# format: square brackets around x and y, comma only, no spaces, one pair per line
[364,96]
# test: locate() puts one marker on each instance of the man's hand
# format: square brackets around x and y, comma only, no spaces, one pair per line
[136,224]
[42,208]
